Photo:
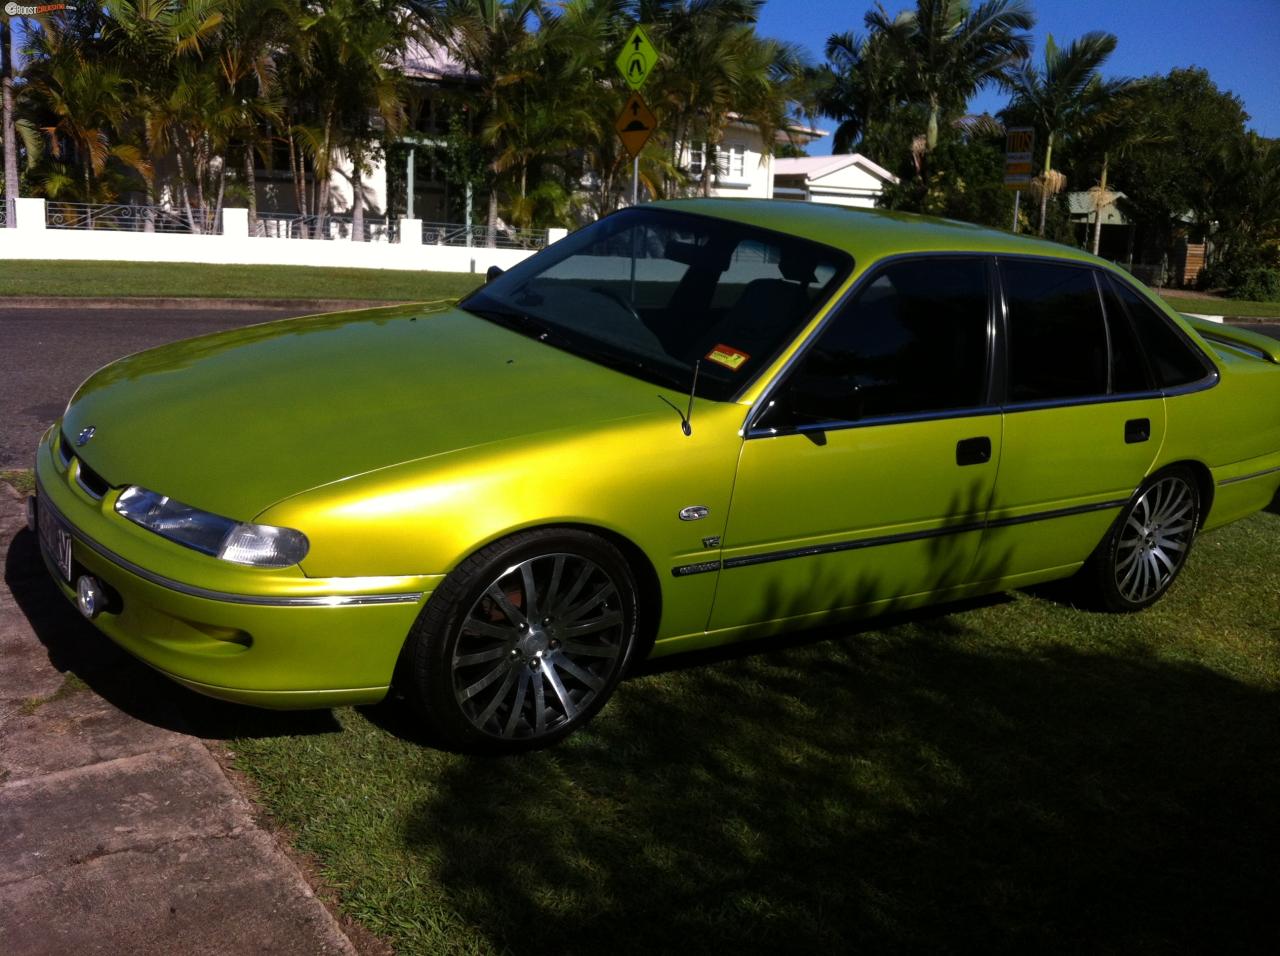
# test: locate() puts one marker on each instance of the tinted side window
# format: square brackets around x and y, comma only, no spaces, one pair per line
[1173,361]
[1128,366]
[1057,340]
[914,340]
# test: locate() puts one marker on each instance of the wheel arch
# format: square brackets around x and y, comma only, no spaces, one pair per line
[1204,483]
[648,584]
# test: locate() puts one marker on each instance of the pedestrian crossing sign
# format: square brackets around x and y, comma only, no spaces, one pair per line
[637,59]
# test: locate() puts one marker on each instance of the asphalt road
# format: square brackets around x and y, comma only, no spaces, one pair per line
[46,353]
[1266,328]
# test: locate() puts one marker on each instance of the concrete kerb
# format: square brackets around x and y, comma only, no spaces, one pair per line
[182,302]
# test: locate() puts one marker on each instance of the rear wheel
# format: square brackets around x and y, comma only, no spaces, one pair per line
[1148,545]
[525,641]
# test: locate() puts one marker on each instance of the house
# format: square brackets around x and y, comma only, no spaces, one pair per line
[1140,250]
[845,180]
[1117,231]
[742,167]
[405,179]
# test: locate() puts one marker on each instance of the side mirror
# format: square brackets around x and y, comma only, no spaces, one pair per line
[492,273]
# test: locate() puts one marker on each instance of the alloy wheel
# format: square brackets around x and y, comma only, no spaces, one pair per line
[1155,538]
[538,646]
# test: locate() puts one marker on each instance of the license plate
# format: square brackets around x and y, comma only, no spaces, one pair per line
[55,538]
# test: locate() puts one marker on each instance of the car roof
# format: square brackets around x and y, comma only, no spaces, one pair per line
[872,234]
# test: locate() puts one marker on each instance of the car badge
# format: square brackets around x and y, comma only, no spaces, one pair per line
[85,434]
[694,512]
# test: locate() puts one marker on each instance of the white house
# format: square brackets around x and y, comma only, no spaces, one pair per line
[846,180]
[742,168]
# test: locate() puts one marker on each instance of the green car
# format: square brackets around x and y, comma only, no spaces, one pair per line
[687,424]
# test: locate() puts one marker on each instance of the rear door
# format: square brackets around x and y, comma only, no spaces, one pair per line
[1083,422]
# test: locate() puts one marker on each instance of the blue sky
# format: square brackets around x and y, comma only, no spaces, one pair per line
[1237,41]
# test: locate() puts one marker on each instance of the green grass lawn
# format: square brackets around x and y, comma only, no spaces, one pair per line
[1011,775]
[94,279]
[22,479]
[1234,307]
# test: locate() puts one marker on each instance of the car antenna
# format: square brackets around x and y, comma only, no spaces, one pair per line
[685,416]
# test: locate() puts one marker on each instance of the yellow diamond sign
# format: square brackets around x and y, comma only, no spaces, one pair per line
[637,59]
[635,125]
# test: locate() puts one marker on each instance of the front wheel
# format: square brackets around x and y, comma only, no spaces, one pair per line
[1148,545]
[524,642]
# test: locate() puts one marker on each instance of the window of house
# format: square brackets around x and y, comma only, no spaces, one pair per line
[1057,337]
[733,161]
[727,160]
[914,341]
[697,158]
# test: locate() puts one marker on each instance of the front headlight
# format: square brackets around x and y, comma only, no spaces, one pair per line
[258,545]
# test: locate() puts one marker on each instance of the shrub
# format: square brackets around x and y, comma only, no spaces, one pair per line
[1260,284]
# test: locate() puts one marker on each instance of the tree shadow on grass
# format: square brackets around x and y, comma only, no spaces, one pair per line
[76,646]
[899,793]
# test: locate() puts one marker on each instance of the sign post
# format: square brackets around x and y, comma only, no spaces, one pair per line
[636,122]
[1018,146]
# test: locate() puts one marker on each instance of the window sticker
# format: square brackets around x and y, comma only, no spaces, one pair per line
[730,358]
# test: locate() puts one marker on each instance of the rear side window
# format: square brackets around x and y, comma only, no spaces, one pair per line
[914,341]
[1128,366]
[1057,335]
[1173,361]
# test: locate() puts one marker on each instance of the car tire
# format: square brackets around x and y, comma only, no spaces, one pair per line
[523,642]
[1147,546]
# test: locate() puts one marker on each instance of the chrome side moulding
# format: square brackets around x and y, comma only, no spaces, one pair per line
[1256,474]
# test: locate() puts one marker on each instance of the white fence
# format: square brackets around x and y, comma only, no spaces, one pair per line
[32,239]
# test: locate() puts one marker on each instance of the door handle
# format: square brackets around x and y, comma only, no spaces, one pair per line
[1137,430]
[973,451]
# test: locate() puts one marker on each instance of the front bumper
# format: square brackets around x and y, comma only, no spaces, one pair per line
[271,638]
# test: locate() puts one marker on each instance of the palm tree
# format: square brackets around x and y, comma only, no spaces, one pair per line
[488,37]
[183,107]
[247,60]
[1065,96]
[352,47]
[860,86]
[9,120]
[1119,128]
[84,102]
[949,51]
[713,65]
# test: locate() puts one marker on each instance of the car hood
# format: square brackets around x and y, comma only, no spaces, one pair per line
[236,421]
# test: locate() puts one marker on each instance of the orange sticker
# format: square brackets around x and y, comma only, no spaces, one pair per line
[729,358]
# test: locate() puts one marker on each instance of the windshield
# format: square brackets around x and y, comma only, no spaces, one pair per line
[652,291]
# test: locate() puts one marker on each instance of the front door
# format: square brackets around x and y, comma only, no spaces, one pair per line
[867,477]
